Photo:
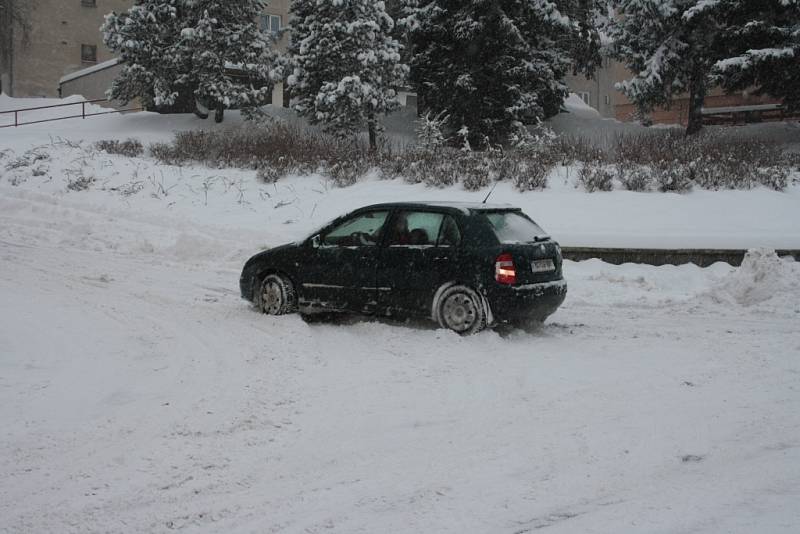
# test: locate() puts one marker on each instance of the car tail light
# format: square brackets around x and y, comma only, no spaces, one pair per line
[504,270]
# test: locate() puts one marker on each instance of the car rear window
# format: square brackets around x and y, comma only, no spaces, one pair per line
[514,227]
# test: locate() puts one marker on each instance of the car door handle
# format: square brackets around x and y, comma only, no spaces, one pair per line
[441,258]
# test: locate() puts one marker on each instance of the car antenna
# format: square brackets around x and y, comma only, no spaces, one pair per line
[490,193]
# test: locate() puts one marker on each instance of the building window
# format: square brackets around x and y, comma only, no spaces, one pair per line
[88,53]
[586,97]
[608,100]
[89,3]
[271,24]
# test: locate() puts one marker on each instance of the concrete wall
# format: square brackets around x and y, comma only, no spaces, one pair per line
[94,86]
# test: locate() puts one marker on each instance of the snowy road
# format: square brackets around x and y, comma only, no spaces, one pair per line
[138,393]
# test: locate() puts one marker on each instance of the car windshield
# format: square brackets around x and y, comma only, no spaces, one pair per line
[514,227]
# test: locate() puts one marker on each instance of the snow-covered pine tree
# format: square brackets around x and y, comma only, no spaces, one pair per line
[584,43]
[154,68]
[491,64]
[763,43]
[671,47]
[231,58]
[346,67]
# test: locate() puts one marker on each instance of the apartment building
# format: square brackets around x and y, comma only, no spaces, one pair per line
[63,37]
[719,108]
[62,51]
[598,91]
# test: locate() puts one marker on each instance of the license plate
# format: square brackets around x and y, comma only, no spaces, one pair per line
[542,266]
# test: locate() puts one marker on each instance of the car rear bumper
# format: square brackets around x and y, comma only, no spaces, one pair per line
[526,302]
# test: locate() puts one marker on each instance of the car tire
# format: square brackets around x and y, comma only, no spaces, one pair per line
[276,295]
[461,310]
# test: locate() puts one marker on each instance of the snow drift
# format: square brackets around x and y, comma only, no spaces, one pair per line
[763,278]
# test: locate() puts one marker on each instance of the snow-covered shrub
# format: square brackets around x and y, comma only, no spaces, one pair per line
[164,153]
[429,131]
[711,174]
[80,183]
[504,166]
[131,148]
[673,176]
[16,179]
[474,172]
[268,174]
[254,146]
[347,172]
[634,177]
[596,176]
[534,154]
[567,150]
[392,166]
[438,169]
[543,145]
[714,159]
[463,137]
[131,188]
[791,160]
[530,174]
[774,177]
[417,165]
[272,171]
[443,171]
[27,159]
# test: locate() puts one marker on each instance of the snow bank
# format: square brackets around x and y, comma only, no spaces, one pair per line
[763,278]
[579,122]
[577,107]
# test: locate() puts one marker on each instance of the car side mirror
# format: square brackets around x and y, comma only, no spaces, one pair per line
[315,241]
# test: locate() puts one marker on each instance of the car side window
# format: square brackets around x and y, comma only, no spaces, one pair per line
[449,234]
[414,229]
[363,230]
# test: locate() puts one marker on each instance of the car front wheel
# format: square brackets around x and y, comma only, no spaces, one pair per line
[461,310]
[276,295]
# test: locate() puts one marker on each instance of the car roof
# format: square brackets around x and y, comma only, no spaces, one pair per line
[464,207]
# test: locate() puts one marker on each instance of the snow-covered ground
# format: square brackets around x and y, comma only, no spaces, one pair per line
[139,393]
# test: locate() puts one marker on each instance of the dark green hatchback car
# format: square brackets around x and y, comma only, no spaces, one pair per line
[465,266]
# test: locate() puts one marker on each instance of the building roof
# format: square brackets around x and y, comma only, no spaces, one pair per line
[89,70]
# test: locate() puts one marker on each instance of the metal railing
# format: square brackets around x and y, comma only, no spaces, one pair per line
[82,115]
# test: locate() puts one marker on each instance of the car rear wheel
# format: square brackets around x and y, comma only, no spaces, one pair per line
[461,310]
[276,295]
